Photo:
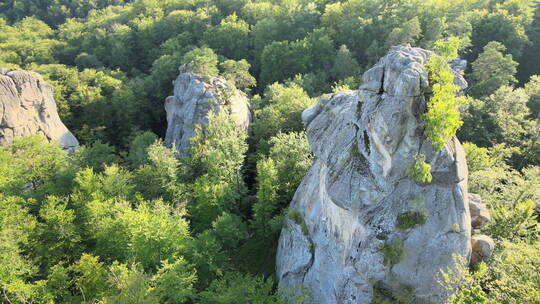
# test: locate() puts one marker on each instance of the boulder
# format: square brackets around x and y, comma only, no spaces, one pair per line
[27,107]
[357,193]
[482,248]
[193,99]
[480,215]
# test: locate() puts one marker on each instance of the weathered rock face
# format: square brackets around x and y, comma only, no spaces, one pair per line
[482,245]
[27,107]
[192,101]
[357,189]
[480,215]
[482,248]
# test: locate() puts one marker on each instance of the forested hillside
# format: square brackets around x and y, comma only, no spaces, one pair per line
[125,219]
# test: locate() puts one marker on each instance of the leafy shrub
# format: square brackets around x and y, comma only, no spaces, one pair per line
[442,116]
[296,216]
[383,294]
[410,219]
[419,170]
[511,277]
[513,222]
[393,252]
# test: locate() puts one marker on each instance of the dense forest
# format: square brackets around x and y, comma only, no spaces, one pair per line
[125,219]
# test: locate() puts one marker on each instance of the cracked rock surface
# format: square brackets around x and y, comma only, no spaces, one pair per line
[357,186]
[27,107]
[193,99]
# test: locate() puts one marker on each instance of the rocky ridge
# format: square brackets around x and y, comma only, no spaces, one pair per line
[193,99]
[27,107]
[363,229]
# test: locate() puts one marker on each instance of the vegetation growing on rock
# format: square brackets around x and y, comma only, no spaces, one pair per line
[410,219]
[392,252]
[443,116]
[419,170]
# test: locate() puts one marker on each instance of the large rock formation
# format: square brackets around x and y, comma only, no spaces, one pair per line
[361,228]
[193,99]
[27,107]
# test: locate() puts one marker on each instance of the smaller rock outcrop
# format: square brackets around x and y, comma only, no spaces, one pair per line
[480,215]
[482,245]
[193,99]
[27,107]
[482,248]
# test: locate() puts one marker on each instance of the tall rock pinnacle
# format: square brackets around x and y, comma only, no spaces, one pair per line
[363,228]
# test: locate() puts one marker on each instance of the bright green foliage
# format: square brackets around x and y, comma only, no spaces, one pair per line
[159,176]
[154,232]
[408,33]
[54,12]
[237,288]
[419,171]
[464,286]
[410,219]
[514,274]
[173,283]
[280,111]
[138,149]
[478,158]
[96,104]
[90,278]
[265,207]
[492,69]
[230,231]
[238,73]
[393,252]
[510,277]
[514,221]
[17,227]
[204,62]
[218,151]
[27,41]
[442,117]
[215,163]
[58,237]
[96,156]
[30,163]
[448,48]
[292,157]
[131,285]
[229,38]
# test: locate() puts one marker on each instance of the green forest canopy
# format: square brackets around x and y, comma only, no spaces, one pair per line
[126,220]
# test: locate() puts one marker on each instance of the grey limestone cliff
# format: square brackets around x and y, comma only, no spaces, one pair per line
[366,228]
[27,107]
[194,97]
